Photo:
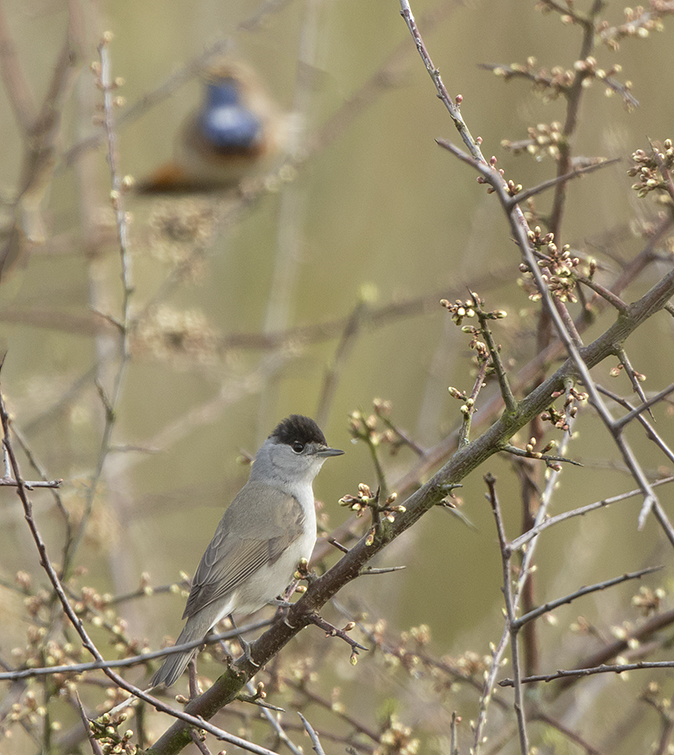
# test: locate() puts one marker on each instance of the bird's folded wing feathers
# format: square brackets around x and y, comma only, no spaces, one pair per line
[244,541]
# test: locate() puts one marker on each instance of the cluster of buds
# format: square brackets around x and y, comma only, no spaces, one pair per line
[52,653]
[459,309]
[24,581]
[179,337]
[382,407]
[104,731]
[648,601]
[469,308]
[539,239]
[476,343]
[34,603]
[366,499]
[472,664]
[91,599]
[182,224]
[589,71]
[365,426]
[544,141]
[512,188]
[652,169]
[638,23]
[530,448]
[28,713]
[558,419]
[396,738]
[360,502]
[559,266]
[93,607]
[468,402]
[552,83]
[421,635]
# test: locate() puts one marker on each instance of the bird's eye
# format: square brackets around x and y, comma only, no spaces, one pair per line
[298,447]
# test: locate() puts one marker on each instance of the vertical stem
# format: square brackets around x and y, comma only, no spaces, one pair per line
[506,553]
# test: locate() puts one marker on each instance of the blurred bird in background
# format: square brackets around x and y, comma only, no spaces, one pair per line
[238,131]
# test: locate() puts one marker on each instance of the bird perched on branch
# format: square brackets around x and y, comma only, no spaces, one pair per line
[237,131]
[264,533]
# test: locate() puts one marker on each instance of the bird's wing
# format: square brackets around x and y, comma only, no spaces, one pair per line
[260,523]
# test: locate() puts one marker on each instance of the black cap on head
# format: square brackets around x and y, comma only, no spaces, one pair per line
[296,427]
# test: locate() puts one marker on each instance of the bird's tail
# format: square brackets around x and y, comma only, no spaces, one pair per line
[175,664]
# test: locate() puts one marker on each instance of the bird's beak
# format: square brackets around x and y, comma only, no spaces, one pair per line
[329,452]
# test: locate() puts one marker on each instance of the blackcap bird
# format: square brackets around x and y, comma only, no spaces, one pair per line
[265,531]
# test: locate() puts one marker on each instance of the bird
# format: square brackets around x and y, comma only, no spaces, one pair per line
[237,131]
[264,533]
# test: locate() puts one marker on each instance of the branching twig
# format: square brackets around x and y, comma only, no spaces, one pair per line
[619,424]
[468,409]
[550,606]
[652,435]
[536,455]
[523,539]
[95,746]
[634,378]
[78,668]
[522,196]
[578,672]
[332,631]
[512,625]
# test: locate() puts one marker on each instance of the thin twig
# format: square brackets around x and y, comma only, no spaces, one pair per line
[537,456]
[631,374]
[315,742]
[466,424]
[332,631]
[511,622]
[453,740]
[522,196]
[452,108]
[200,745]
[551,605]
[620,423]
[524,538]
[580,672]
[95,746]
[496,362]
[650,431]
[78,668]
[605,293]
[276,725]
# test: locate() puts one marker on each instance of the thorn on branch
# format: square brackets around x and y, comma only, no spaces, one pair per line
[381,570]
